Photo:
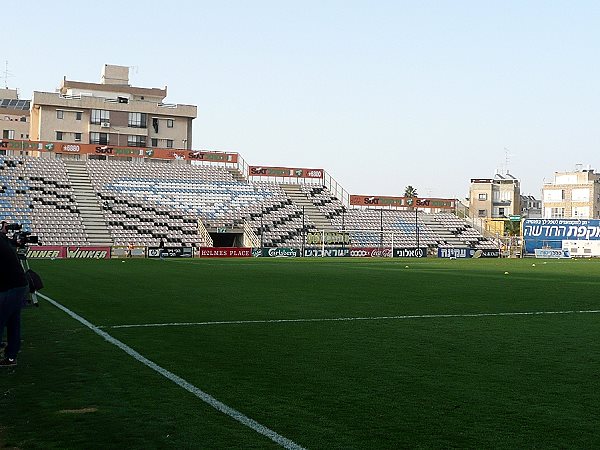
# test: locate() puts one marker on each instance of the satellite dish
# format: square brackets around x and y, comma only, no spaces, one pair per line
[477,254]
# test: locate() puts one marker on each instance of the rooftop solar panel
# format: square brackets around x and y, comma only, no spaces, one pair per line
[10,103]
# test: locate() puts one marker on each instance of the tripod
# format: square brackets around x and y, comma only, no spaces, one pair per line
[22,255]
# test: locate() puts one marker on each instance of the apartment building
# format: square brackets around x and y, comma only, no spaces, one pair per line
[494,198]
[531,207]
[572,195]
[14,115]
[111,112]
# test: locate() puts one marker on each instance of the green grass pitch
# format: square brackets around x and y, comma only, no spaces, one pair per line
[462,372]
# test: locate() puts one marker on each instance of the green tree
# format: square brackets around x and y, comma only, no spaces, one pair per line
[512,228]
[410,192]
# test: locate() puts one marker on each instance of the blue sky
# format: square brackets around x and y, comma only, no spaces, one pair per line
[380,94]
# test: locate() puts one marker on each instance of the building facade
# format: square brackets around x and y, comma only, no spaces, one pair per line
[494,198]
[572,195]
[111,113]
[531,207]
[14,115]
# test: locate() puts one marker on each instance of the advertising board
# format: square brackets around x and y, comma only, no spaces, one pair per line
[455,252]
[411,252]
[170,252]
[225,252]
[549,233]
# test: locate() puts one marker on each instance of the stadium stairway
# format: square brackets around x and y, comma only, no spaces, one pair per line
[237,175]
[90,211]
[444,235]
[312,213]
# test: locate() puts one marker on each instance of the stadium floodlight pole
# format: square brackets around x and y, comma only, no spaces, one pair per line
[303,232]
[417,227]
[343,228]
[381,235]
[262,231]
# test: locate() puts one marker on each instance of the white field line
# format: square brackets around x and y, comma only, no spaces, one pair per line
[349,319]
[219,406]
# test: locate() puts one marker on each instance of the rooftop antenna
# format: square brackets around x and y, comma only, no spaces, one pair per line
[6,74]
[506,160]
[133,70]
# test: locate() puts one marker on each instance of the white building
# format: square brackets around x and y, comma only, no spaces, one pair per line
[573,195]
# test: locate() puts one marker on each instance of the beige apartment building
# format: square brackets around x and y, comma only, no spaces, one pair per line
[572,195]
[111,112]
[494,198]
[14,115]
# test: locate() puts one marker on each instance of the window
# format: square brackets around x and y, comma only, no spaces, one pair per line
[581,212]
[99,138]
[501,211]
[99,115]
[136,141]
[78,115]
[557,213]
[482,196]
[154,142]
[59,135]
[481,213]
[8,134]
[77,137]
[553,195]
[170,123]
[137,120]
[169,143]
[580,195]
[60,114]
[565,179]
[23,119]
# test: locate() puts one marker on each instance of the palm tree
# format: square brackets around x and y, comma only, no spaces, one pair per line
[512,228]
[411,193]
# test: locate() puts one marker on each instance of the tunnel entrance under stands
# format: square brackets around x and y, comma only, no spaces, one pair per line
[227,239]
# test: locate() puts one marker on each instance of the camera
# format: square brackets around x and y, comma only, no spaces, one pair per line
[25,237]
[14,227]
[19,239]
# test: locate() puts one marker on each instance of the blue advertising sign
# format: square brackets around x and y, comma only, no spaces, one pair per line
[455,252]
[549,233]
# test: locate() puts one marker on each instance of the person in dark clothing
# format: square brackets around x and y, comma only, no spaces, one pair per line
[13,289]
[161,248]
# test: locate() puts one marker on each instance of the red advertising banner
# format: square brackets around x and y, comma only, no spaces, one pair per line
[371,252]
[46,251]
[113,150]
[286,172]
[225,252]
[404,202]
[193,155]
[84,252]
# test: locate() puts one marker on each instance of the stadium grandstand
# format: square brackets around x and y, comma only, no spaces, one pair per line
[83,195]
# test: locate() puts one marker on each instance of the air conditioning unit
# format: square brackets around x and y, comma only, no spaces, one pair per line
[105,125]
